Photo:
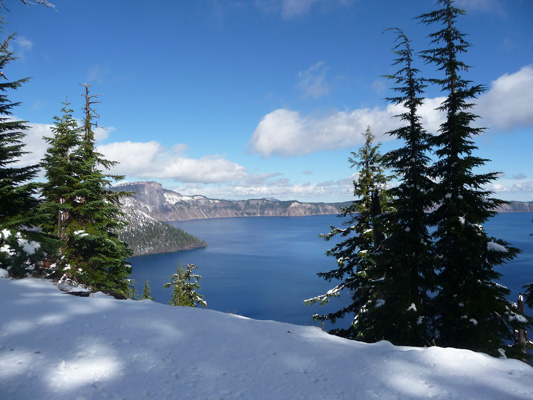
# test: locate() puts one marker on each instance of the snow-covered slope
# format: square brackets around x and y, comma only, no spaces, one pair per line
[56,346]
[145,235]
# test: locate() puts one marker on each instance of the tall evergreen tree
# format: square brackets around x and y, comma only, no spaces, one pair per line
[471,309]
[356,269]
[21,247]
[62,166]
[17,194]
[406,258]
[92,248]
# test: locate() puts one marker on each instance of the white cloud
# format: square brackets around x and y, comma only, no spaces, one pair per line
[480,5]
[291,9]
[295,8]
[97,73]
[508,103]
[35,144]
[313,81]
[150,160]
[22,46]
[283,132]
[287,133]
[275,186]
[513,190]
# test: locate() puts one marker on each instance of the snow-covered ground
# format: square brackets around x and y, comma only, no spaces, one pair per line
[56,346]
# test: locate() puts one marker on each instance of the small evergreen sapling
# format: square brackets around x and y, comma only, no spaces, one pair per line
[146,292]
[184,285]
[133,290]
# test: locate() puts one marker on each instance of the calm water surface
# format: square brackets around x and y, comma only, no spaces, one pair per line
[265,267]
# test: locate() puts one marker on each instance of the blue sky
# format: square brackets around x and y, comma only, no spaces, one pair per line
[262,98]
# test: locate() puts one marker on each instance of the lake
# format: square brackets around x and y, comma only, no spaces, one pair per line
[264,267]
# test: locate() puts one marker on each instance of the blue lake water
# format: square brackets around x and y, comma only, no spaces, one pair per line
[265,267]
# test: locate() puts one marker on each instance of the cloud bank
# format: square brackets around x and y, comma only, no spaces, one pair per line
[151,160]
[287,133]
[509,102]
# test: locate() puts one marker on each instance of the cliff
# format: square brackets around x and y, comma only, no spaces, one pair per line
[517,206]
[166,205]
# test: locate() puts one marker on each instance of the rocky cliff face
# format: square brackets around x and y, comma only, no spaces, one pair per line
[166,205]
[161,204]
[517,206]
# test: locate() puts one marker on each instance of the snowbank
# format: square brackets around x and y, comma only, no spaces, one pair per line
[57,346]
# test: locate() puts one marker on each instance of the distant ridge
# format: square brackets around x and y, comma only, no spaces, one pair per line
[166,205]
[517,206]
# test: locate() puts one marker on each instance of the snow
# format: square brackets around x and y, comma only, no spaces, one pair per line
[7,249]
[58,346]
[81,233]
[492,246]
[28,246]
[519,318]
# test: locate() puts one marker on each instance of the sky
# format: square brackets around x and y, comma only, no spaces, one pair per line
[239,99]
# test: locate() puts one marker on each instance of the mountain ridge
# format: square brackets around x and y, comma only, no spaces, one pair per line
[166,205]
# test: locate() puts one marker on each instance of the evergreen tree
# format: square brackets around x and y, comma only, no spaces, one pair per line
[92,248]
[406,259]
[17,195]
[133,291]
[21,246]
[146,292]
[356,271]
[61,167]
[184,285]
[471,309]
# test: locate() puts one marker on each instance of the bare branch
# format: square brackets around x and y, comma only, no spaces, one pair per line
[32,2]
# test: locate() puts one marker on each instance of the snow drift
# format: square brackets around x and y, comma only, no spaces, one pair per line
[56,346]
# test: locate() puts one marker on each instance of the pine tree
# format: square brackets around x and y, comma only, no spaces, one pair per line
[17,195]
[184,285]
[471,309]
[406,258]
[61,167]
[356,270]
[133,290]
[92,248]
[21,246]
[146,292]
